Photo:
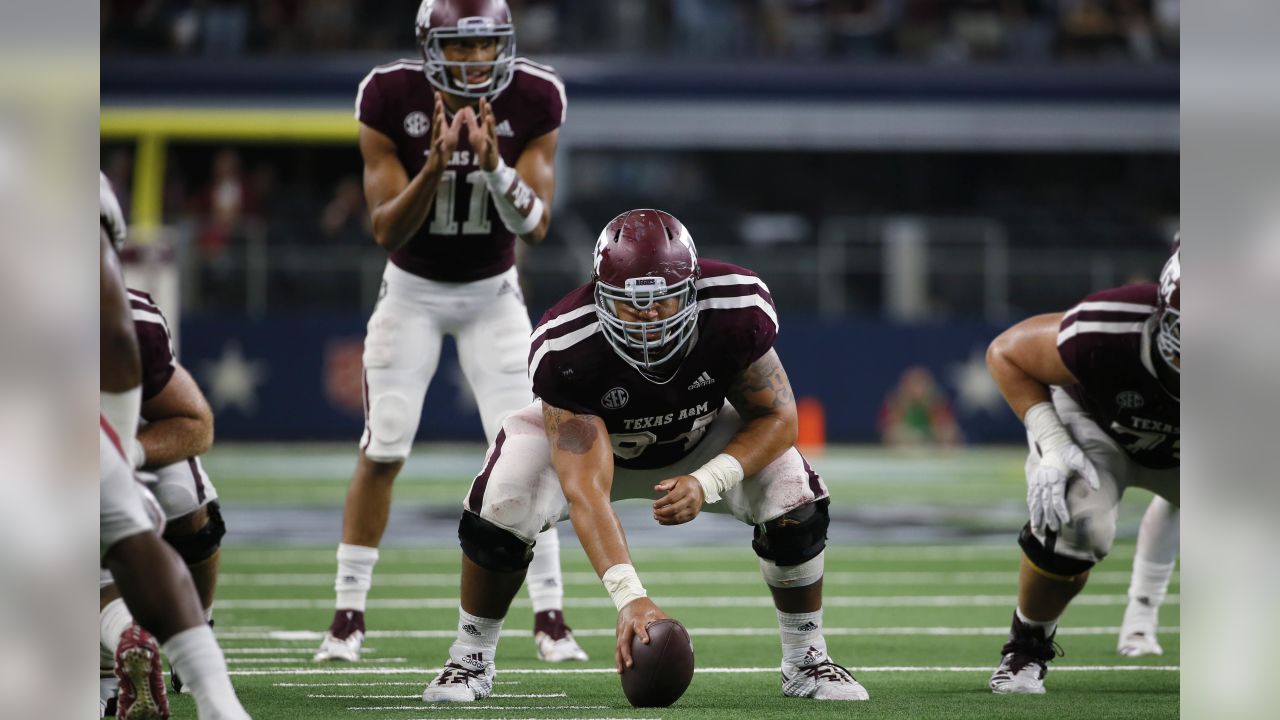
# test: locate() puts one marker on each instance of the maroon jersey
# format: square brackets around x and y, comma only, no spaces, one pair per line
[654,424]
[154,342]
[1105,342]
[463,239]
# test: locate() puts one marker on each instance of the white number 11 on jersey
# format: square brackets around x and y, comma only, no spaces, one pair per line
[477,220]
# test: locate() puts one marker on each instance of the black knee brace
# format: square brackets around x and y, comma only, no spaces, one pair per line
[203,543]
[795,537]
[491,547]
[1044,558]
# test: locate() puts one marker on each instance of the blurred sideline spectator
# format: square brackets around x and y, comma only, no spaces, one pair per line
[916,413]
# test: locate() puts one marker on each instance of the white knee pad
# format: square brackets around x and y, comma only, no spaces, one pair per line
[182,488]
[391,428]
[1088,536]
[793,576]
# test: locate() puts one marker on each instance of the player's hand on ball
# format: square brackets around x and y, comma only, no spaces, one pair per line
[1047,486]
[483,135]
[633,620]
[682,501]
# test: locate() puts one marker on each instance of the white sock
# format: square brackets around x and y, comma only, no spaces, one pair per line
[208,615]
[1049,626]
[476,635]
[546,589]
[195,655]
[114,619]
[1149,581]
[355,575]
[801,633]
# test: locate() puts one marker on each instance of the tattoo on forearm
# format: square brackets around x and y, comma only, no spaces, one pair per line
[576,436]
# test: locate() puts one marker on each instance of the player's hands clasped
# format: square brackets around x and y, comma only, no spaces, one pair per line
[483,135]
[681,503]
[444,136]
[633,620]
[1047,485]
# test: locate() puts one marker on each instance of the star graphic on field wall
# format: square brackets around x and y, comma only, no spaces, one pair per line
[234,380]
[976,390]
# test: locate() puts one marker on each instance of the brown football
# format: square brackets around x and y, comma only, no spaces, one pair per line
[662,670]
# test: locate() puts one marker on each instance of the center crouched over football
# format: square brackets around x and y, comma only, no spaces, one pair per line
[662,670]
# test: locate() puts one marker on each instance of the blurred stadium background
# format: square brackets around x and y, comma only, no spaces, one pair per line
[908,176]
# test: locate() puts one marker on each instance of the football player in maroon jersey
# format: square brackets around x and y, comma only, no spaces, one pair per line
[658,377]
[150,575]
[177,428]
[1098,389]
[459,160]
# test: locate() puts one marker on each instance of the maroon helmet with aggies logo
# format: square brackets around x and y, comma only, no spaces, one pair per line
[443,20]
[643,257]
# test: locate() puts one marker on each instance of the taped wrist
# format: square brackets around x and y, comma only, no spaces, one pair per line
[623,585]
[137,454]
[721,473]
[519,207]
[1046,427]
[122,411]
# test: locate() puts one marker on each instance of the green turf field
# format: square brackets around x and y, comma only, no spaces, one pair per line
[919,624]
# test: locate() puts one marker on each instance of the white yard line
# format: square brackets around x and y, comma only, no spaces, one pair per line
[392,683]
[431,671]
[235,555]
[589,579]
[233,634]
[455,706]
[418,696]
[722,601]
[297,661]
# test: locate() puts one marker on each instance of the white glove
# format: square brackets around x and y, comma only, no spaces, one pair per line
[1060,459]
[1047,485]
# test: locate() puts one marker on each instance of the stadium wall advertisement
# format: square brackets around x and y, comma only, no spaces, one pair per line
[298,377]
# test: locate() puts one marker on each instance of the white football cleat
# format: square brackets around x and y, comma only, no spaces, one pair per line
[1138,631]
[1018,675]
[820,678]
[563,650]
[344,638]
[1025,661]
[342,649]
[465,679]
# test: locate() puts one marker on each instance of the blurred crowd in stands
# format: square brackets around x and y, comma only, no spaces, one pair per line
[1140,31]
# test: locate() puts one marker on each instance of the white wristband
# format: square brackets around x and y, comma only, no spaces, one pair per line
[1046,427]
[718,476]
[518,206]
[122,410]
[623,585]
[137,454]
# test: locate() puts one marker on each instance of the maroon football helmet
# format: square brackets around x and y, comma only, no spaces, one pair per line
[442,20]
[1169,310]
[643,257]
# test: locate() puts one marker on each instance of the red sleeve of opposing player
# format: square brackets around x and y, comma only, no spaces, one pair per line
[549,95]
[371,101]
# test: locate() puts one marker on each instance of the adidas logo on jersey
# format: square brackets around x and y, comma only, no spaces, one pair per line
[703,380]
[471,630]
[504,129]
